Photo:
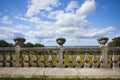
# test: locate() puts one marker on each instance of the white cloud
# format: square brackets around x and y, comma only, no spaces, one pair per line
[9,33]
[21,18]
[61,23]
[87,7]
[91,33]
[35,6]
[5,20]
[22,27]
[71,6]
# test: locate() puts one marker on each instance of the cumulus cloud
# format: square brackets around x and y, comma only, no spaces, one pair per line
[71,6]
[87,7]
[9,33]
[70,22]
[22,27]
[5,19]
[49,23]
[35,6]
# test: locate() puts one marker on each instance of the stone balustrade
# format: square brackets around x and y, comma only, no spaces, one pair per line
[96,57]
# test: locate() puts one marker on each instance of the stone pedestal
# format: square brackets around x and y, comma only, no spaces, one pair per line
[102,42]
[18,56]
[61,41]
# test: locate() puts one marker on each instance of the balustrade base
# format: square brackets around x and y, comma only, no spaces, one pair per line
[78,65]
[35,65]
[60,72]
[60,65]
[18,65]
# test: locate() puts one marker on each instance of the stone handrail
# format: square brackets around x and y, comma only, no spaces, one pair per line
[51,49]
[21,56]
[37,49]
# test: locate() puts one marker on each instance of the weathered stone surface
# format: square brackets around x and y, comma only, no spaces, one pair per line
[61,72]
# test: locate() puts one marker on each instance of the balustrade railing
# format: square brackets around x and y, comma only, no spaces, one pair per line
[49,57]
[98,57]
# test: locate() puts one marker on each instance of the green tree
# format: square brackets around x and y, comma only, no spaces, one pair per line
[28,45]
[115,42]
[38,45]
[3,43]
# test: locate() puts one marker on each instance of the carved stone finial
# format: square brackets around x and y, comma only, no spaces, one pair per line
[60,41]
[102,41]
[19,41]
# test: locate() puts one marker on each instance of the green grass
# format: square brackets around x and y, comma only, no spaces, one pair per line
[44,78]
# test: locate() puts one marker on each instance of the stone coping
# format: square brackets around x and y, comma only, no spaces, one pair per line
[60,72]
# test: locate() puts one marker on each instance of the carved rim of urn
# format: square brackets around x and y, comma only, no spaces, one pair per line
[60,41]
[102,40]
[19,40]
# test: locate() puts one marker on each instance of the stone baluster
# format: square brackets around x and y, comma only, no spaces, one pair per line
[61,41]
[57,58]
[94,61]
[86,61]
[109,62]
[78,60]
[42,60]
[114,61]
[9,60]
[70,64]
[50,60]
[18,55]
[27,60]
[35,60]
[2,59]
[102,42]
[101,61]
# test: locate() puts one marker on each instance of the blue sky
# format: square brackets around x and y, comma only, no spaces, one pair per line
[81,22]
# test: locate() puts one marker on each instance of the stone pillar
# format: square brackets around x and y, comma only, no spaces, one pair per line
[102,42]
[61,41]
[18,56]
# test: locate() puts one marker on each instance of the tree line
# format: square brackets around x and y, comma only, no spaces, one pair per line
[4,43]
[114,43]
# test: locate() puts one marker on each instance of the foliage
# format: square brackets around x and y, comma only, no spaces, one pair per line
[115,42]
[5,44]
[38,45]
[29,44]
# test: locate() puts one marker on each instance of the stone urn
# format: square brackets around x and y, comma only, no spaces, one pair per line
[60,41]
[19,41]
[102,41]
